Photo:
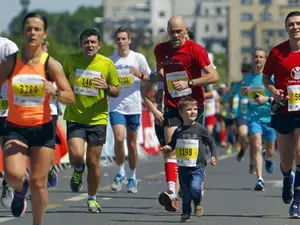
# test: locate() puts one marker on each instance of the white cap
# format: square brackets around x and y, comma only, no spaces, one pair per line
[222,85]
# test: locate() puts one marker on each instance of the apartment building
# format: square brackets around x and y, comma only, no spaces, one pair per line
[207,18]
[254,23]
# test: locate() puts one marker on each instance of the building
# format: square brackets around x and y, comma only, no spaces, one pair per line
[254,23]
[148,18]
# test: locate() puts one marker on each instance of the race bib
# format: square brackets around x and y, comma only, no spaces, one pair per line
[177,76]
[187,152]
[84,82]
[294,98]
[28,90]
[235,103]
[3,107]
[244,106]
[253,91]
[125,81]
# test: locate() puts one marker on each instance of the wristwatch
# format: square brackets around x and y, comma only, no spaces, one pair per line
[106,90]
[190,83]
[57,94]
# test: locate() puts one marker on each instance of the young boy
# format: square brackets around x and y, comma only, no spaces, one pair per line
[188,141]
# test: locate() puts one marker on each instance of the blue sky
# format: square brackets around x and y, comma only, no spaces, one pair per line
[10,8]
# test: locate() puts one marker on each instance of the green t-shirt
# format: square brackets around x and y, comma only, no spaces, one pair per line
[90,106]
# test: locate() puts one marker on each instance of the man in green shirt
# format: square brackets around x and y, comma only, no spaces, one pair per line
[93,78]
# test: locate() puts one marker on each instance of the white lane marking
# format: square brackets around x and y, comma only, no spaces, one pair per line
[222,157]
[106,198]
[275,183]
[6,219]
[84,196]
[77,198]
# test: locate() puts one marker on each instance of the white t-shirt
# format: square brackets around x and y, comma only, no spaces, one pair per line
[210,104]
[54,102]
[129,102]
[7,47]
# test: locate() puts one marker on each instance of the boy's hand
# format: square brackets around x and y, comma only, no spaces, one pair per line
[166,148]
[213,161]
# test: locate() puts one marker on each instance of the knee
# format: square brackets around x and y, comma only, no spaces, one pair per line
[13,177]
[132,144]
[196,189]
[93,163]
[38,183]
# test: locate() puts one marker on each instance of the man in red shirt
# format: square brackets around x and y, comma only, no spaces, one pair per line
[179,65]
[284,63]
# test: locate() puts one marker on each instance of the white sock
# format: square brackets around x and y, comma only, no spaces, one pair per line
[171,187]
[122,169]
[79,169]
[132,174]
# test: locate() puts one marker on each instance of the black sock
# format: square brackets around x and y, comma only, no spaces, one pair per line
[297,185]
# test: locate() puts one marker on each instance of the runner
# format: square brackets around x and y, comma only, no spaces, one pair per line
[93,78]
[55,111]
[284,62]
[241,118]
[187,142]
[259,117]
[125,110]
[7,47]
[178,64]
[29,127]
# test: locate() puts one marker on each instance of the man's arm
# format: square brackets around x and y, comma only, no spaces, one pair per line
[113,88]
[160,91]
[211,77]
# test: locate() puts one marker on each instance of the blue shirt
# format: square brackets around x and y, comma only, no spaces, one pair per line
[243,100]
[235,105]
[257,112]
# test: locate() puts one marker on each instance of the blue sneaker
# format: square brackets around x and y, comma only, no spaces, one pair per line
[132,186]
[18,205]
[269,165]
[118,182]
[52,178]
[260,186]
[287,190]
[294,211]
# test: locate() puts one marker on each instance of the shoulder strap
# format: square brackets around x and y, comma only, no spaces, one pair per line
[48,77]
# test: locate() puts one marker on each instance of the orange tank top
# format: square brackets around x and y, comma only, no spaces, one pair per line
[28,103]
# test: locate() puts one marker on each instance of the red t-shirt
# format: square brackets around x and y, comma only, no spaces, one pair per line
[284,64]
[191,58]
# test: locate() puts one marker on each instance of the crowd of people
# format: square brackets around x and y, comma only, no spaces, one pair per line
[189,114]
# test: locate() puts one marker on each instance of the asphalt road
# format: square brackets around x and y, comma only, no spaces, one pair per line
[229,199]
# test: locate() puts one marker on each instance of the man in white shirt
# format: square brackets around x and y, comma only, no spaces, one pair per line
[125,110]
[7,47]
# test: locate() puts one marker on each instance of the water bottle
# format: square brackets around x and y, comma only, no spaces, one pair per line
[276,106]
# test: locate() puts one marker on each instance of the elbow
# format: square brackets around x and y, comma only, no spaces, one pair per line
[70,100]
[115,93]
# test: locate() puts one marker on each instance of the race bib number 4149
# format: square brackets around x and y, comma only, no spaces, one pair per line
[177,76]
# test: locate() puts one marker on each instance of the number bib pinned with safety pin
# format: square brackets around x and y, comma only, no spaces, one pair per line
[28,90]
[84,84]
[177,76]
[187,152]
[253,90]
[3,100]
[294,98]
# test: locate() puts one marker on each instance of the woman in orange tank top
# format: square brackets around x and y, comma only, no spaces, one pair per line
[29,128]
